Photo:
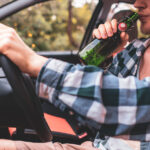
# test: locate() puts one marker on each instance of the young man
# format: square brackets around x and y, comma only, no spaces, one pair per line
[116,102]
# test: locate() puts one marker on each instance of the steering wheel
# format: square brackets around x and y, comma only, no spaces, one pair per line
[26,98]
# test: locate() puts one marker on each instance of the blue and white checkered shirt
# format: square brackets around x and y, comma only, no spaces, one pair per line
[113,102]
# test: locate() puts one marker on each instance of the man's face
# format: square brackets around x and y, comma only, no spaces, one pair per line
[144,13]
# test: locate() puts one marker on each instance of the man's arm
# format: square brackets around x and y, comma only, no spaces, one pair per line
[16,50]
[28,61]
[114,106]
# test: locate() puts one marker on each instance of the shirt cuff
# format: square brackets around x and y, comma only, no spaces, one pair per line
[49,77]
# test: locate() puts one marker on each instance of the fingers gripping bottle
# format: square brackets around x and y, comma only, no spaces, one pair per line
[99,49]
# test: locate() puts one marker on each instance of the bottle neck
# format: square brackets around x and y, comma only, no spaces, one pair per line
[125,24]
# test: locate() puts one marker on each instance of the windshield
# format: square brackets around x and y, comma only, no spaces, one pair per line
[5,2]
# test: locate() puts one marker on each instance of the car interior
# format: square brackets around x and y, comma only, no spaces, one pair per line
[24,116]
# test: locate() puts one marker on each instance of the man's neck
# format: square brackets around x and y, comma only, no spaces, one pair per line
[145,65]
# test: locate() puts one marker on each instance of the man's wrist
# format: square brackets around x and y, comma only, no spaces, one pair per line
[35,64]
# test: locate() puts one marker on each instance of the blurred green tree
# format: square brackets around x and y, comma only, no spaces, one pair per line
[46,26]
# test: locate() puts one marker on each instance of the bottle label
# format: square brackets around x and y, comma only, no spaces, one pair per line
[122,26]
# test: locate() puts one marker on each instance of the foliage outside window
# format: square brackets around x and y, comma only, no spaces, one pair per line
[45,26]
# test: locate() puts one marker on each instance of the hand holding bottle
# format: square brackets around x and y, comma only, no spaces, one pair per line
[108,30]
[110,37]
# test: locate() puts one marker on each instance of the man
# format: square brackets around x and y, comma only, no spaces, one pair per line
[116,102]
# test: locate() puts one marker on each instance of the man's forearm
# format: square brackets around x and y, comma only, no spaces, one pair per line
[36,62]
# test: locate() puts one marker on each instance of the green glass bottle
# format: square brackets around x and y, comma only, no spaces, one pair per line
[98,50]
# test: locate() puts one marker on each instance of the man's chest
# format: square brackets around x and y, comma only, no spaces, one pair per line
[145,65]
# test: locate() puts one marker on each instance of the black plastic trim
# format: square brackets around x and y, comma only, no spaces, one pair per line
[91,25]
[16,6]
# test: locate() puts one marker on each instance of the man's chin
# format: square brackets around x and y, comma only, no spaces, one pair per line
[145,29]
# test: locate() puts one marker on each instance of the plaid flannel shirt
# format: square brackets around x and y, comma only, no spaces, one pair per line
[113,102]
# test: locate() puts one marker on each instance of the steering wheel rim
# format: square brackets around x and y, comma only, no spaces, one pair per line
[26,98]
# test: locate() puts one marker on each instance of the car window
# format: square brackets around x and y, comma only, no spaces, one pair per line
[5,2]
[53,25]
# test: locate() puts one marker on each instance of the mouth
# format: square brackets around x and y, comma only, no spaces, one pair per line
[144,18]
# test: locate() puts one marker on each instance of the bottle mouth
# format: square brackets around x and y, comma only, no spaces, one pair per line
[136,10]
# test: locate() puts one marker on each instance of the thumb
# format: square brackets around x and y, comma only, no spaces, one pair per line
[124,38]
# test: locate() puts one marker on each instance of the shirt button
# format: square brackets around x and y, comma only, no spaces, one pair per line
[71,113]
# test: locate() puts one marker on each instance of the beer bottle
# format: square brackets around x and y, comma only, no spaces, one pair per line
[100,49]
